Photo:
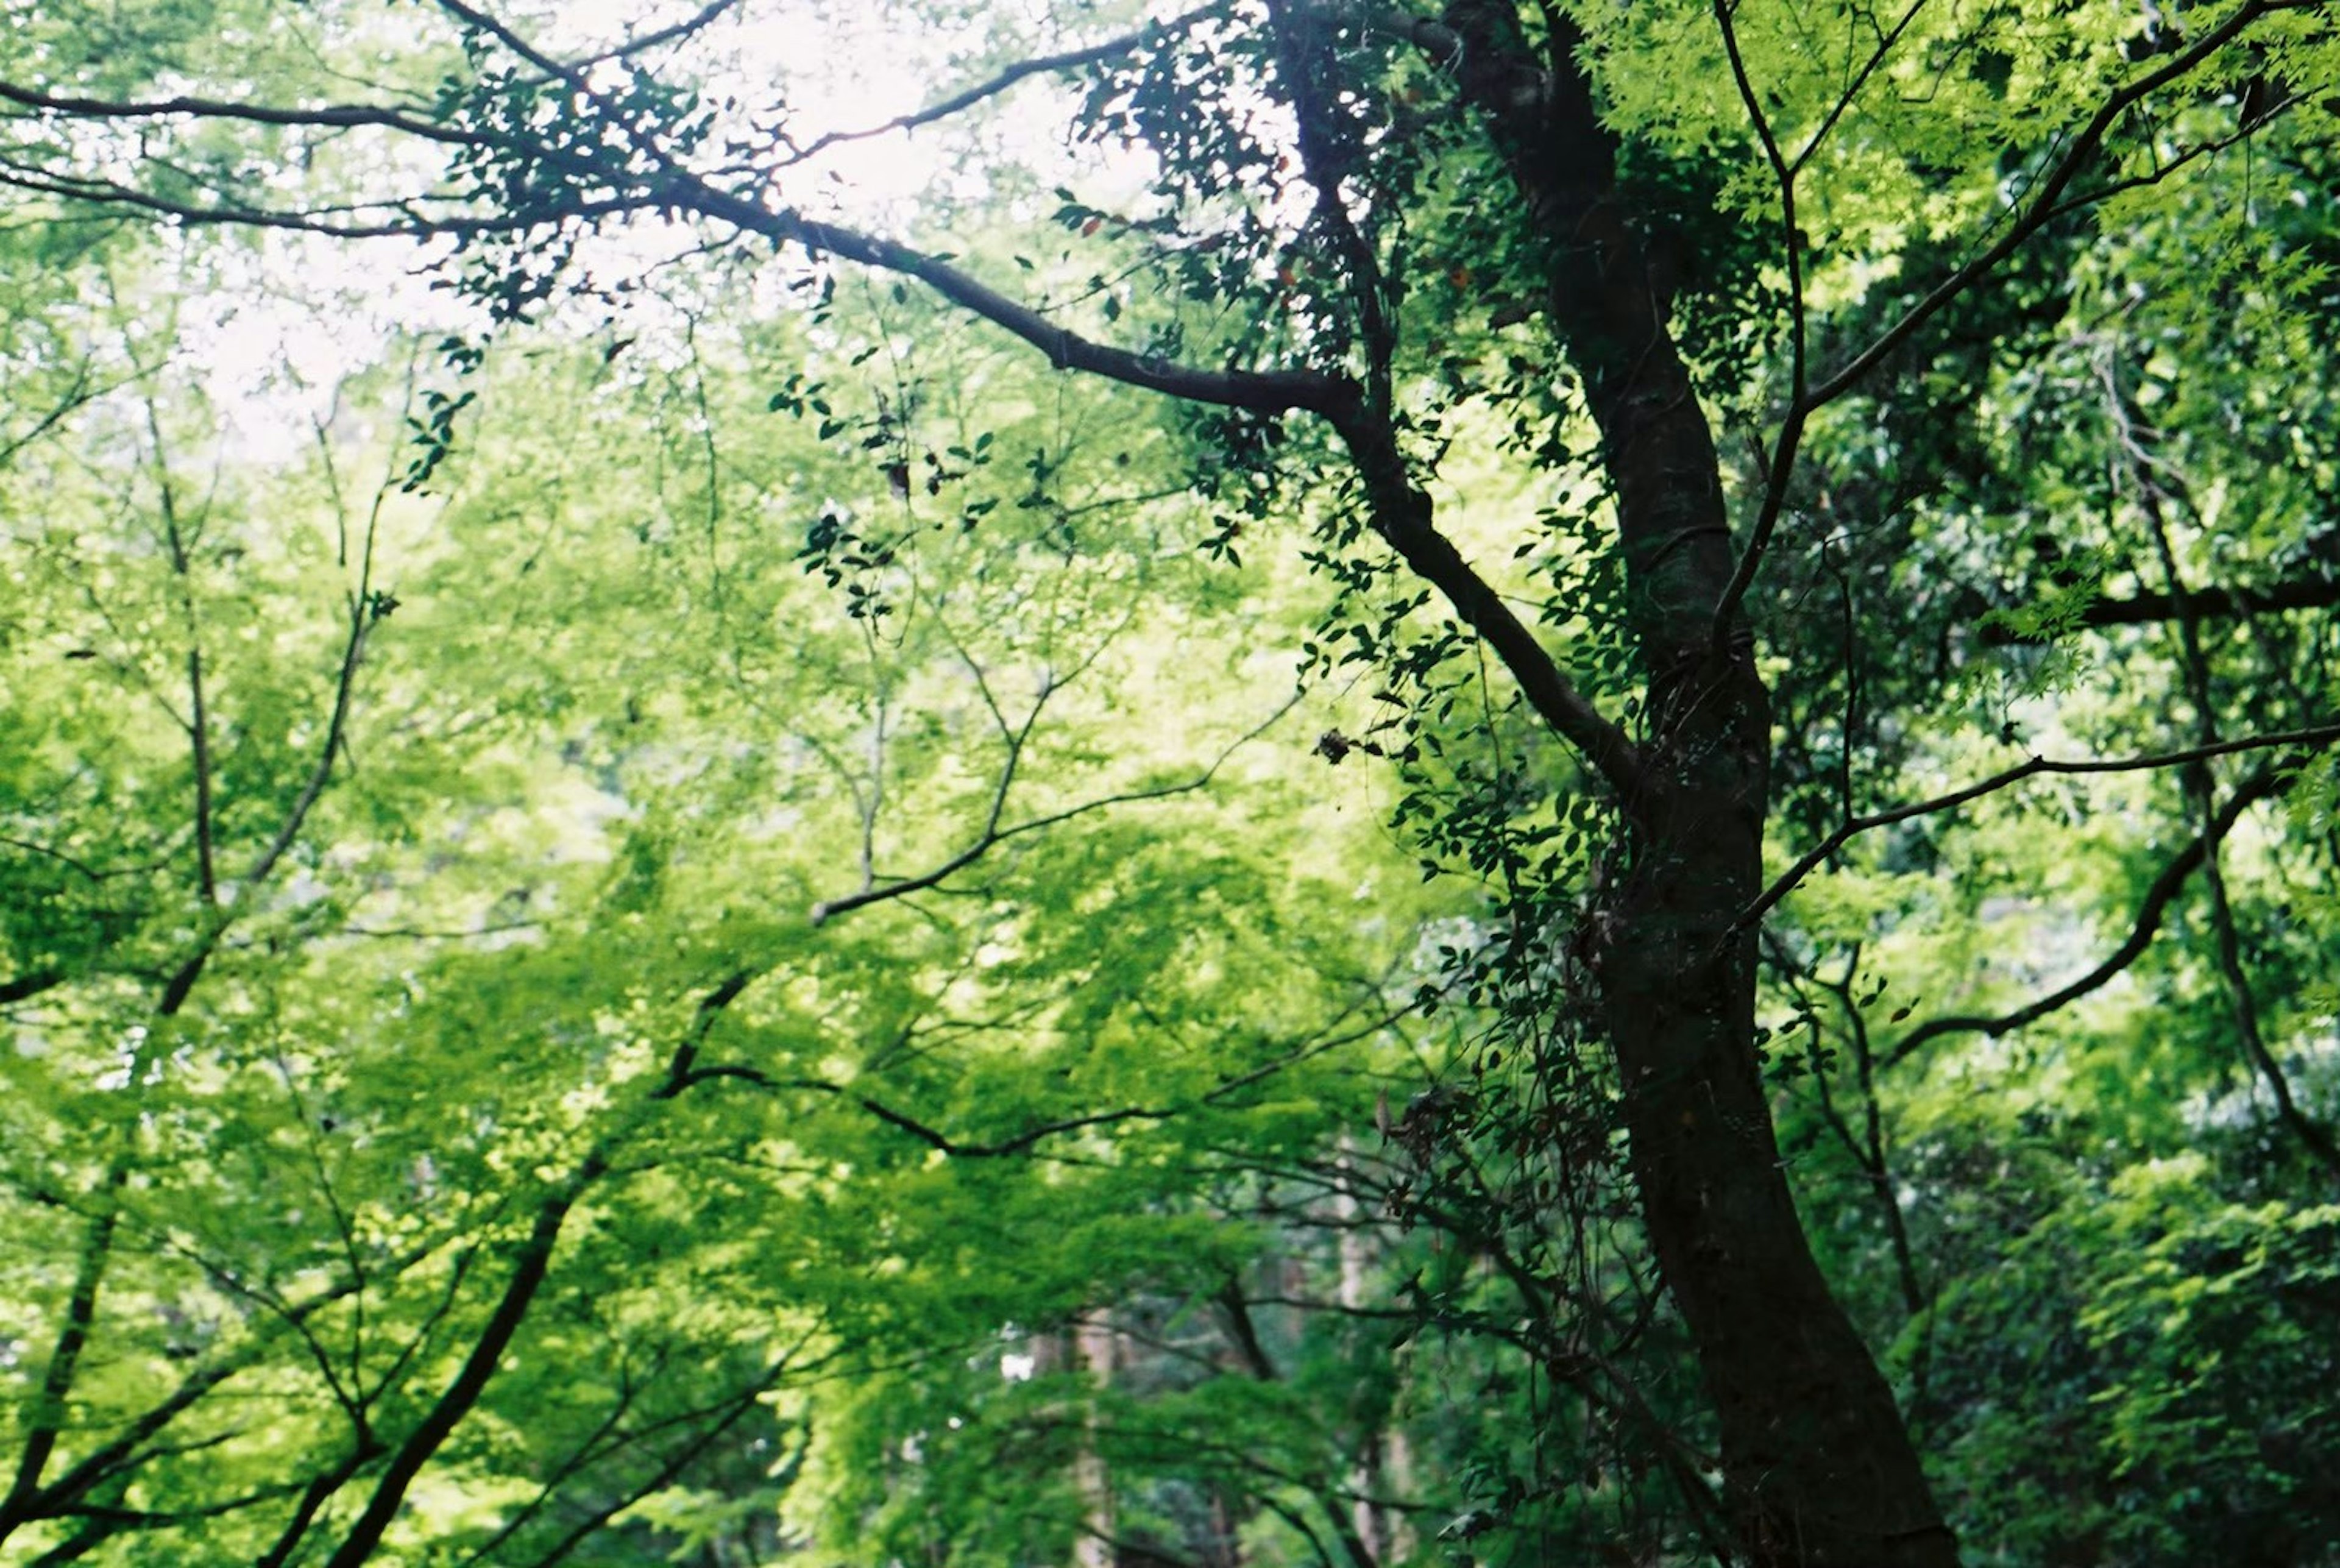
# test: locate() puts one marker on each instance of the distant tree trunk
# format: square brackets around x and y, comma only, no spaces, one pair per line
[1093,1352]
[1381,1451]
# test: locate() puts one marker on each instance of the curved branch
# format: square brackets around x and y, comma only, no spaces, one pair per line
[531,1264]
[2310,739]
[1781,466]
[2047,202]
[1260,391]
[2159,894]
[994,835]
[697,22]
[1400,512]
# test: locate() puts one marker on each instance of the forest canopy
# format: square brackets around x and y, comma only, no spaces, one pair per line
[1304,782]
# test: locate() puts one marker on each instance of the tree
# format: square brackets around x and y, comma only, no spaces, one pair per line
[1371,239]
[434,1124]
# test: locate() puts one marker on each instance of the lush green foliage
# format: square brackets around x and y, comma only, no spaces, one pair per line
[676,902]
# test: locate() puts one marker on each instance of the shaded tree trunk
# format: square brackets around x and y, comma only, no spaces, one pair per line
[1818,1463]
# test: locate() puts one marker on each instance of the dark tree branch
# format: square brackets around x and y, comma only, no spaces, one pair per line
[404,218]
[2046,205]
[46,1415]
[314,1495]
[1780,468]
[2159,894]
[2146,471]
[2309,738]
[30,984]
[1031,1136]
[199,727]
[609,1439]
[334,116]
[1400,512]
[689,26]
[2201,603]
[1010,75]
[122,1453]
[1299,51]
[1235,1307]
[1852,89]
[531,1266]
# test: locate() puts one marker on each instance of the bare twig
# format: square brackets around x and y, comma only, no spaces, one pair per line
[1010,75]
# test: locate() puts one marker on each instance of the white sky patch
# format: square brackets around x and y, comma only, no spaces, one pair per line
[292,316]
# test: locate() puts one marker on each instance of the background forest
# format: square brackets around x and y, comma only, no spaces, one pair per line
[1307,784]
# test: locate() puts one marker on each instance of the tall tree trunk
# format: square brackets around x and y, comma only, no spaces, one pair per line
[1381,1450]
[1819,1465]
[1093,1351]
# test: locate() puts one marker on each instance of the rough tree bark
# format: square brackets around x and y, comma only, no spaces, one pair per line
[1816,1461]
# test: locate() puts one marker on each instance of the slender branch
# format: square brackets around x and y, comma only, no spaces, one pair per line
[503,32]
[331,116]
[81,868]
[198,716]
[1853,90]
[82,391]
[531,1266]
[2309,738]
[1401,513]
[199,733]
[314,1496]
[2048,191]
[1780,468]
[408,219]
[1261,392]
[1295,43]
[697,22]
[364,613]
[666,1475]
[1008,76]
[1031,1136]
[2141,466]
[128,1449]
[993,835]
[49,1407]
[106,1520]
[2165,167]
[608,1439]
[710,1007]
[2159,894]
